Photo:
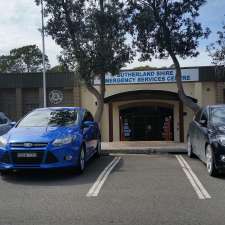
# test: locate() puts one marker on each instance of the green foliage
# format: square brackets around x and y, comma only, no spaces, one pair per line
[25,59]
[165,27]
[6,63]
[93,40]
[217,50]
[58,68]
[144,68]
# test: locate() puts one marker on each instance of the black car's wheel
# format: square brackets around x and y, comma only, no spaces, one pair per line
[98,149]
[189,148]
[82,160]
[210,161]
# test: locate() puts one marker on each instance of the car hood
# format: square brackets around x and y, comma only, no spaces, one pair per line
[39,134]
[217,130]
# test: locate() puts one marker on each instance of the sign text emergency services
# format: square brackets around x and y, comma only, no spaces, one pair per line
[152,76]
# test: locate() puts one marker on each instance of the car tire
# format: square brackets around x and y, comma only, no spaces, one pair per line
[210,162]
[189,148]
[5,173]
[98,149]
[82,160]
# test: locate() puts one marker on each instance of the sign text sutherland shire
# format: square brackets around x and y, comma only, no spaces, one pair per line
[152,76]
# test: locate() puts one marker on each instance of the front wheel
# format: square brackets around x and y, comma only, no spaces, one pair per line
[98,149]
[210,161]
[189,148]
[82,160]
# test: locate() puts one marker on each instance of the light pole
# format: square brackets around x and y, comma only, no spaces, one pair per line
[43,55]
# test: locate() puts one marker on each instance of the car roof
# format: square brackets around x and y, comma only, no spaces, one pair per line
[62,108]
[216,106]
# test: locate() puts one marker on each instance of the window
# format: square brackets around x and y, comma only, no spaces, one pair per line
[88,117]
[44,118]
[3,120]
[218,116]
[204,116]
[198,116]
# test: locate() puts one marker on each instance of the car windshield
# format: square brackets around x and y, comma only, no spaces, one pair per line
[47,117]
[218,116]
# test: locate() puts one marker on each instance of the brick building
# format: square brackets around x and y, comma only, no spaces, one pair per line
[139,105]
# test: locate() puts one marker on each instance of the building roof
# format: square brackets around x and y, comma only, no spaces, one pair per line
[35,80]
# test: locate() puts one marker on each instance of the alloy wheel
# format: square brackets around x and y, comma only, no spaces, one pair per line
[82,159]
[189,148]
[209,159]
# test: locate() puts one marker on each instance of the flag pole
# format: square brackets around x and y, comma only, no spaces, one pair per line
[43,55]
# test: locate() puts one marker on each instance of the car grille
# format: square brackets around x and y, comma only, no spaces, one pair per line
[5,158]
[27,160]
[33,145]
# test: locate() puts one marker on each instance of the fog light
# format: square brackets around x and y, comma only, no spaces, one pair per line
[68,157]
[222,157]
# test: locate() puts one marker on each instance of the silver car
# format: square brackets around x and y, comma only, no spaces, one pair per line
[5,124]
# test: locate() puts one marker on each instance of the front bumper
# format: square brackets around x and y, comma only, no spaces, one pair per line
[219,151]
[47,158]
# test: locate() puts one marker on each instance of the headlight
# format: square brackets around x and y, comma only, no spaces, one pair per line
[221,140]
[63,141]
[3,141]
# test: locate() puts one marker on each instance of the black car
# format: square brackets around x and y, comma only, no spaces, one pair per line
[206,138]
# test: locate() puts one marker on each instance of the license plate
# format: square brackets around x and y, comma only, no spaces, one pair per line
[26,155]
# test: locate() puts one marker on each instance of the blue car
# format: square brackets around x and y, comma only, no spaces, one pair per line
[49,138]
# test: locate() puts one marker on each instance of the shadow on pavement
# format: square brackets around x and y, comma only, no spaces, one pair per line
[59,177]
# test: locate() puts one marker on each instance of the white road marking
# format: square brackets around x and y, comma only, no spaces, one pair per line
[95,189]
[195,182]
[201,187]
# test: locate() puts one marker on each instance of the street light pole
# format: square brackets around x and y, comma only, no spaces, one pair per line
[43,55]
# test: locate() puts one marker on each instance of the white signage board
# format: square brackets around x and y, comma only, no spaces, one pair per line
[151,76]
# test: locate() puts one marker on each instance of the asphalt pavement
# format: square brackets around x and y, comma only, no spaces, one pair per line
[116,189]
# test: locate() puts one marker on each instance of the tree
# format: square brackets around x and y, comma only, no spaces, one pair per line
[6,63]
[58,68]
[92,35]
[217,50]
[167,28]
[24,59]
[142,68]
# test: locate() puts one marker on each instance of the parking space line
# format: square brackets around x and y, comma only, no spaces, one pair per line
[193,179]
[95,189]
[203,190]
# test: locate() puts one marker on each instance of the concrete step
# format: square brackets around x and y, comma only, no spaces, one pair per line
[143,147]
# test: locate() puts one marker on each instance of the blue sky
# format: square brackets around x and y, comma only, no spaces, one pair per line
[20,20]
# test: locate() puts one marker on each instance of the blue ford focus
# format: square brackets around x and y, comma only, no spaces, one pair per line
[49,138]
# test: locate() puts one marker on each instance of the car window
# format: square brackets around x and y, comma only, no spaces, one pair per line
[3,120]
[204,116]
[88,116]
[198,115]
[218,116]
[44,118]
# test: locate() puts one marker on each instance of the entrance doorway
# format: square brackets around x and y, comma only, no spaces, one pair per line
[146,123]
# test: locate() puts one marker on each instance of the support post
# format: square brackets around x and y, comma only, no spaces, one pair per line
[181,120]
[110,122]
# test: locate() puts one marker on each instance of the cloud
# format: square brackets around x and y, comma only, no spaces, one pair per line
[20,20]
[201,60]
[19,24]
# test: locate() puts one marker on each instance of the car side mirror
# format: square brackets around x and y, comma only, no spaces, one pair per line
[13,124]
[4,121]
[203,123]
[87,124]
